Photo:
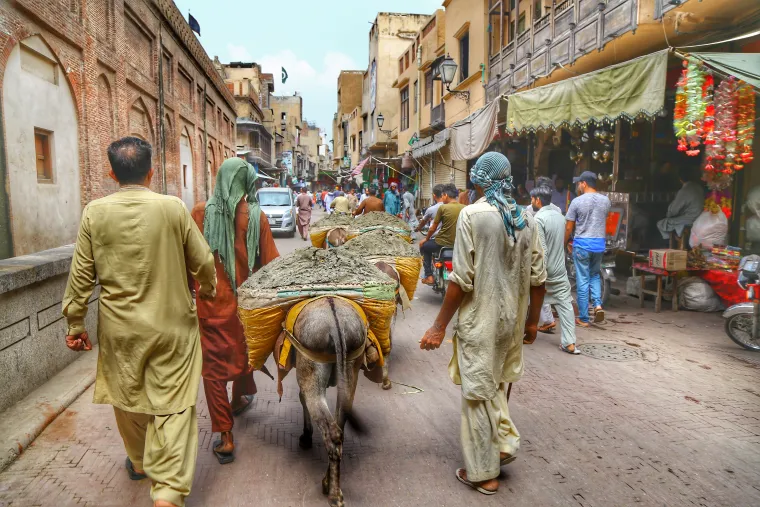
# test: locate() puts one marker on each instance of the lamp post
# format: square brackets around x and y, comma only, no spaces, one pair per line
[448,72]
[389,133]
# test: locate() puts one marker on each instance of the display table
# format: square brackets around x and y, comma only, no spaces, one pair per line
[725,285]
[643,269]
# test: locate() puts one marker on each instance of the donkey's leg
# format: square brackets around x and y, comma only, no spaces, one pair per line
[305,440]
[313,379]
[386,379]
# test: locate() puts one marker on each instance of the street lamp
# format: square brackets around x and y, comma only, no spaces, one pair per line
[380,120]
[448,71]
[389,133]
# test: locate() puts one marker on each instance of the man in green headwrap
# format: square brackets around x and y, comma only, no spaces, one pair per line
[241,240]
[497,258]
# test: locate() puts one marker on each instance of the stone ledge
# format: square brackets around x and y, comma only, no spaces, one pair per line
[24,421]
[18,272]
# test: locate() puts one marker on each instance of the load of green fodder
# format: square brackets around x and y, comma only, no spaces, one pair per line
[389,247]
[380,220]
[381,243]
[319,231]
[265,298]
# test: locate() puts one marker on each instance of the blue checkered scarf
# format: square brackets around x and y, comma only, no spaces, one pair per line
[493,173]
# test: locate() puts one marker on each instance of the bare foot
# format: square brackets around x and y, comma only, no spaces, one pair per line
[428,280]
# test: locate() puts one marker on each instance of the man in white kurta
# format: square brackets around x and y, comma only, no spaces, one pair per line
[498,273]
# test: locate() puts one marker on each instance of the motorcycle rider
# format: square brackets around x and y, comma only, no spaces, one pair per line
[446,217]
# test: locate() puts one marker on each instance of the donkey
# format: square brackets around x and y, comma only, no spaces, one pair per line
[328,327]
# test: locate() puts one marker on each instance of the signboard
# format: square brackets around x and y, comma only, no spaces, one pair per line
[287,161]
[372,86]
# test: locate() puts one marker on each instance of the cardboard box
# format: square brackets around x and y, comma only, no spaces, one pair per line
[670,260]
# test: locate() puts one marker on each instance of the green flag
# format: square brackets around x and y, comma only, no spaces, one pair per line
[284,75]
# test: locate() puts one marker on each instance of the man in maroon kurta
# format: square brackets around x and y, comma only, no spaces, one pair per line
[225,353]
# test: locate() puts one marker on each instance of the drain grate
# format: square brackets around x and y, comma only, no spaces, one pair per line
[609,351]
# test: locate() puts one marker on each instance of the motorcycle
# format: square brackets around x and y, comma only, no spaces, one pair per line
[743,319]
[608,274]
[443,266]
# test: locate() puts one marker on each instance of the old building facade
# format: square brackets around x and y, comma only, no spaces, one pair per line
[77,75]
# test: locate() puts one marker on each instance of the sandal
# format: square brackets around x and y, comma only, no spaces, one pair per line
[223,457]
[245,407]
[548,328]
[574,352]
[506,461]
[132,473]
[472,484]
[598,315]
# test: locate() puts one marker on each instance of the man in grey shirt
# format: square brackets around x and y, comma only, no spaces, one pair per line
[587,215]
[551,232]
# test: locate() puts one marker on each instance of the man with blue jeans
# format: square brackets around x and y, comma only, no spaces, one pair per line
[587,215]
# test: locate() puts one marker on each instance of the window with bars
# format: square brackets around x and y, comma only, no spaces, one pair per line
[464,57]
[416,95]
[429,87]
[405,108]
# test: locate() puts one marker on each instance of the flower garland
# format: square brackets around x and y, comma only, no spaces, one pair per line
[745,125]
[693,96]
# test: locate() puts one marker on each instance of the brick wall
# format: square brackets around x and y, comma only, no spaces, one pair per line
[110,51]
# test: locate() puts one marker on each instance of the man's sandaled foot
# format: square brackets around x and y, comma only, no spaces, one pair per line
[489,487]
[224,449]
[134,474]
[570,349]
[244,403]
[428,280]
[598,315]
[548,328]
[580,323]
[505,458]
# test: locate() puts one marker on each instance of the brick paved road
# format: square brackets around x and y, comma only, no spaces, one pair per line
[678,427]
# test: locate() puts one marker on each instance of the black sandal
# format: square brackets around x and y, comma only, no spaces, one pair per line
[245,407]
[223,457]
[132,473]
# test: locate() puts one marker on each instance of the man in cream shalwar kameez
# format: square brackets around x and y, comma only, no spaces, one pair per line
[497,257]
[140,246]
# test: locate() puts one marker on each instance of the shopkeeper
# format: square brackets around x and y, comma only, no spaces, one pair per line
[687,206]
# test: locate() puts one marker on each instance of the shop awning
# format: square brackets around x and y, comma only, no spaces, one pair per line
[429,145]
[745,66]
[625,90]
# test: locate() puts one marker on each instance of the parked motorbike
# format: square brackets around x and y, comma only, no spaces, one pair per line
[443,266]
[608,273]
[743,320]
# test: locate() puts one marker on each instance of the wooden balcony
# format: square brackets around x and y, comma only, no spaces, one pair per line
[569,30]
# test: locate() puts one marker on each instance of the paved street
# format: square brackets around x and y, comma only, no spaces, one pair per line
[676,425]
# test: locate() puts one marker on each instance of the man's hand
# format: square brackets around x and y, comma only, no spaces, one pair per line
[422,243]
[208,296]
[531,331]
[570,247]
[78,342]
[433,338]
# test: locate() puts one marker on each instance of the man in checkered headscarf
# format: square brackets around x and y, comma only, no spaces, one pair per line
[499,273]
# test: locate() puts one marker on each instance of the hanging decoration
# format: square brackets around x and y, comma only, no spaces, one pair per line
[745,123]
[693,96]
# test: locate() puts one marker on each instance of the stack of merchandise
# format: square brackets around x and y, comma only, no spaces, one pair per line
[319,231]
[265,299]
[383,245]
[725,258]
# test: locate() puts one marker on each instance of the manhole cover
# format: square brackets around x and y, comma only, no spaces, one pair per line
[609,351]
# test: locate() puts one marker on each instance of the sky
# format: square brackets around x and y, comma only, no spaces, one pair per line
[313,40]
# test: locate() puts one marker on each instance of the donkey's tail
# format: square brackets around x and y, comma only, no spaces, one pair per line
[344,397]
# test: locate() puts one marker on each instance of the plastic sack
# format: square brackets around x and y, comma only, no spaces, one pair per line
[709,229]
[696,295]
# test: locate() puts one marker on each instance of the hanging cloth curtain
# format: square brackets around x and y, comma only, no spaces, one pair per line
[626,90]
[471,136]
[745,66]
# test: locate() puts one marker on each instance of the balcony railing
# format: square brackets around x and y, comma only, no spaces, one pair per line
[568,31]
[438,116]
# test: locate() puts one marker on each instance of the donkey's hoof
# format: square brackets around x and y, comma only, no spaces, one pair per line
[304,441]
[387,384]
[337,502]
